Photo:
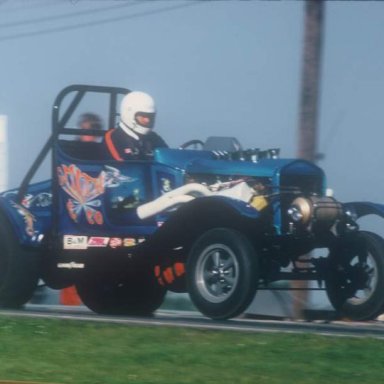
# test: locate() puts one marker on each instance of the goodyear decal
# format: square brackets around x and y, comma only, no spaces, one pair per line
[70,265]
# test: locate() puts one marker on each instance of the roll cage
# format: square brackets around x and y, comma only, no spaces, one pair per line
[62,110]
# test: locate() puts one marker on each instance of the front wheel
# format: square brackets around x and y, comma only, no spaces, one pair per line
[355,285]
[222,273]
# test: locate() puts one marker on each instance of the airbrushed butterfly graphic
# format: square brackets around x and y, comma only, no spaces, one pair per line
[85,191]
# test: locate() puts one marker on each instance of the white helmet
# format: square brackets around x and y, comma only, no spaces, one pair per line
[137,112]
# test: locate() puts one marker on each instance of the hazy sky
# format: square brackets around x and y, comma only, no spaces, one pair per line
[214,68]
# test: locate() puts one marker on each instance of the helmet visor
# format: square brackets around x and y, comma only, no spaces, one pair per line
[145,119]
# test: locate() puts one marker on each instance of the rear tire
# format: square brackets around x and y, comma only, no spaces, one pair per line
[222,273]
[19,269]
[356,290]
[135,293]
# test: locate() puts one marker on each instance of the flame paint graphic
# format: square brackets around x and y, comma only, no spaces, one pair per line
[29,219]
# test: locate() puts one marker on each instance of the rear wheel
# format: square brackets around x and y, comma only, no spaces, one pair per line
[355,285]
[19,269]
[135,293]
[222,273]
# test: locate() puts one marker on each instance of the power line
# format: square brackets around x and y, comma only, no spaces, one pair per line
[30,5]
[102,21]
[67,15]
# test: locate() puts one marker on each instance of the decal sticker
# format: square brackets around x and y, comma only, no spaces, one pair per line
[75,242]
[141,240]
[71,265]
[165,185]
[84,191]
[129,242]
[114,178]
[26,202]
[98,241]
[115,242]
[41,200]
[29,219]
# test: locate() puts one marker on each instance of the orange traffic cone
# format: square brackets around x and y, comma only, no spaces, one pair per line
[69,296]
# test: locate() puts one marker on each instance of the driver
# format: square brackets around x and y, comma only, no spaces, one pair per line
[134,135]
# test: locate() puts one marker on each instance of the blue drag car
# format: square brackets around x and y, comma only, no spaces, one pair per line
[208,218]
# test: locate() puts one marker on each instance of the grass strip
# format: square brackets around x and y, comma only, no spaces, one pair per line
[61,351]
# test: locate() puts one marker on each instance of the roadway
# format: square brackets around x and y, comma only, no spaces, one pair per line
[191,319]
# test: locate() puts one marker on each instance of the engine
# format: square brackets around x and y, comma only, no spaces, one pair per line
[314,212]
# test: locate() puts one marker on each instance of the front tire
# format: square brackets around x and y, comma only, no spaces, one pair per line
[356,288]
[222,273]
[19,269]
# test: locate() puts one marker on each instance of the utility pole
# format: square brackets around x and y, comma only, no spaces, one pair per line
[309,103]
[310,80]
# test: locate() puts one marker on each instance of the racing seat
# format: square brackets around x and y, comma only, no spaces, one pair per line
[82,150]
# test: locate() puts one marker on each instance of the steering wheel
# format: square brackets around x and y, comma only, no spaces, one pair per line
[196,144]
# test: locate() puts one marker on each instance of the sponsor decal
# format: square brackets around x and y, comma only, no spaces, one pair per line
[70,265]
[141,240]
[129,242]
[75,242]
[160,223]
[95,241]
[115,242]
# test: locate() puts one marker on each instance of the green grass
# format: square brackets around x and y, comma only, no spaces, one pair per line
[61,351]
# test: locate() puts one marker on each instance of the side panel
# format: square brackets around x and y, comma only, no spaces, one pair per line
[97,201]
[31,219]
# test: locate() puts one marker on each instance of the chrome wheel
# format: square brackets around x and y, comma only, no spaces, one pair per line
[222,273]
[217,273]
